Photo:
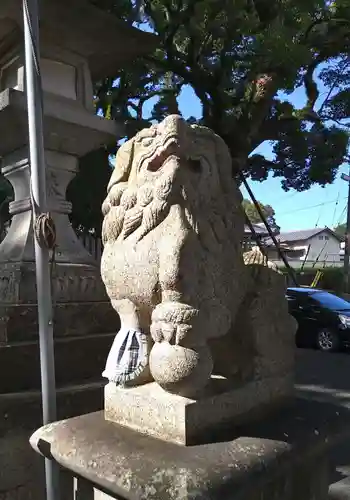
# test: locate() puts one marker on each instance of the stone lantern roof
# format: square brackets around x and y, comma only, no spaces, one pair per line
[105,41]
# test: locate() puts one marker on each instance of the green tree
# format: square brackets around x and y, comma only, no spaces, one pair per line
[88,190]
[242,58]
[340,230]
[254,217]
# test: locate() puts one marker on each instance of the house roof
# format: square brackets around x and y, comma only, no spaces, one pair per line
[258,228]
[302,235]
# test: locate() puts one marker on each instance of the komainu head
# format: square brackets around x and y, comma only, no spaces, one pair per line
[168,163]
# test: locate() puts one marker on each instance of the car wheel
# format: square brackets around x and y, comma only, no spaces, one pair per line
[327,340]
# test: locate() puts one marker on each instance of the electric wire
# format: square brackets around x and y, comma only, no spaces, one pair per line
[320,213]
[335,208]
[309,207]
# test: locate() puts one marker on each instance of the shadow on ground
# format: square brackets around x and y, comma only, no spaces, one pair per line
[325,377]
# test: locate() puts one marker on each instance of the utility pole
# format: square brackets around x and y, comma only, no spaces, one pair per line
[39,207]
[346,178]
[281,254]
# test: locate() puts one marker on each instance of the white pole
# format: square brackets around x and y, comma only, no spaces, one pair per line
[42,257]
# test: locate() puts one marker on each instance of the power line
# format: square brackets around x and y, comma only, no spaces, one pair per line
[320,211]
[335,208]
[309,207]
[341,216]
[286,197]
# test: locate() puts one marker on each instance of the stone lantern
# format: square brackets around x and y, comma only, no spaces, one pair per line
[79,44]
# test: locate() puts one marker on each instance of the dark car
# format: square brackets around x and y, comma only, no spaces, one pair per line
[323,318]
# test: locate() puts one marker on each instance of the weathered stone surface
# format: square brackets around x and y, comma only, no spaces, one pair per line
[172,262]
[76,283]
[103,39]
[77,359]
[174,270]
[71,319]
[281,457]
[151,410]
[64,123]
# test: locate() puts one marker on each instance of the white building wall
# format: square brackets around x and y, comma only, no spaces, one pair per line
[323,246]
[326,246]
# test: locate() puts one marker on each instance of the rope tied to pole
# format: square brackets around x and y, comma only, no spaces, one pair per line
[45,235]
[45,231]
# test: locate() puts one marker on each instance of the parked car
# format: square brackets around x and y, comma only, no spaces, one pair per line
[323,318]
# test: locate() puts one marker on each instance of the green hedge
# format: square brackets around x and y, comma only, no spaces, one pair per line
[332,278]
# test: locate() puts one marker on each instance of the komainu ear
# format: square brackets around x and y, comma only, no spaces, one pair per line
[123,163]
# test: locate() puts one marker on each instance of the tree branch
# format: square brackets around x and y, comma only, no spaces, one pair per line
[339,122]
[345,65]
[309,83]
[197,81]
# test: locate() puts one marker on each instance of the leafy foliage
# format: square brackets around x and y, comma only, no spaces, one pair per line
[341,229]
[242,58]
[87,191]
[254,216]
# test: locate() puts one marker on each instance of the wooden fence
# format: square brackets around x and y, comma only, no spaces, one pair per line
[93,244]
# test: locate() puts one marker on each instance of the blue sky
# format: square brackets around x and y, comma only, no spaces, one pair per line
[317,207]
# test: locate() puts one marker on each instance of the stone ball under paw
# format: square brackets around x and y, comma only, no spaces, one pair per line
[181,370]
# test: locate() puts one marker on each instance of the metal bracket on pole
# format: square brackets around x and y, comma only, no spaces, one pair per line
[42,258]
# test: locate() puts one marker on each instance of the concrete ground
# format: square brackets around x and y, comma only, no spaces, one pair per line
[326,377]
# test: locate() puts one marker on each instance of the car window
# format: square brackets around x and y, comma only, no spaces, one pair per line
[291,299]
[301,299]
[296,300]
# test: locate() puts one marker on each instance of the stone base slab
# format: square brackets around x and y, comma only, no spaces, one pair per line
[152,411]
[281,457]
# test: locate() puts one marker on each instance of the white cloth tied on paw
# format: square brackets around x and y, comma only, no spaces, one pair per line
[127,357]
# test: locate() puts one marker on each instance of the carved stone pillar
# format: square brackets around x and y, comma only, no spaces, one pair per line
[18,245]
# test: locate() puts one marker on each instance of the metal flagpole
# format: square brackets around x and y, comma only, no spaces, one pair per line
[42,256]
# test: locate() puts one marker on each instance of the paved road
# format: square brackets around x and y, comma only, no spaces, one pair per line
[326,377]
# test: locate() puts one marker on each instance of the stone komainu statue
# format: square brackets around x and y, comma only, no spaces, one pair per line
[173,265]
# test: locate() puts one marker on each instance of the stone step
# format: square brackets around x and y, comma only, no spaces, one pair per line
[77,360]
[340,490]
[24,409]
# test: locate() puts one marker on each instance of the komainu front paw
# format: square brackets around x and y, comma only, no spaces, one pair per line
[173,322]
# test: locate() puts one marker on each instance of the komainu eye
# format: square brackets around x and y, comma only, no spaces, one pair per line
[194,165]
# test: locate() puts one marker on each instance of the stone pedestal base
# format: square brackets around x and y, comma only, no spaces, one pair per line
[151,410]
[282,457]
